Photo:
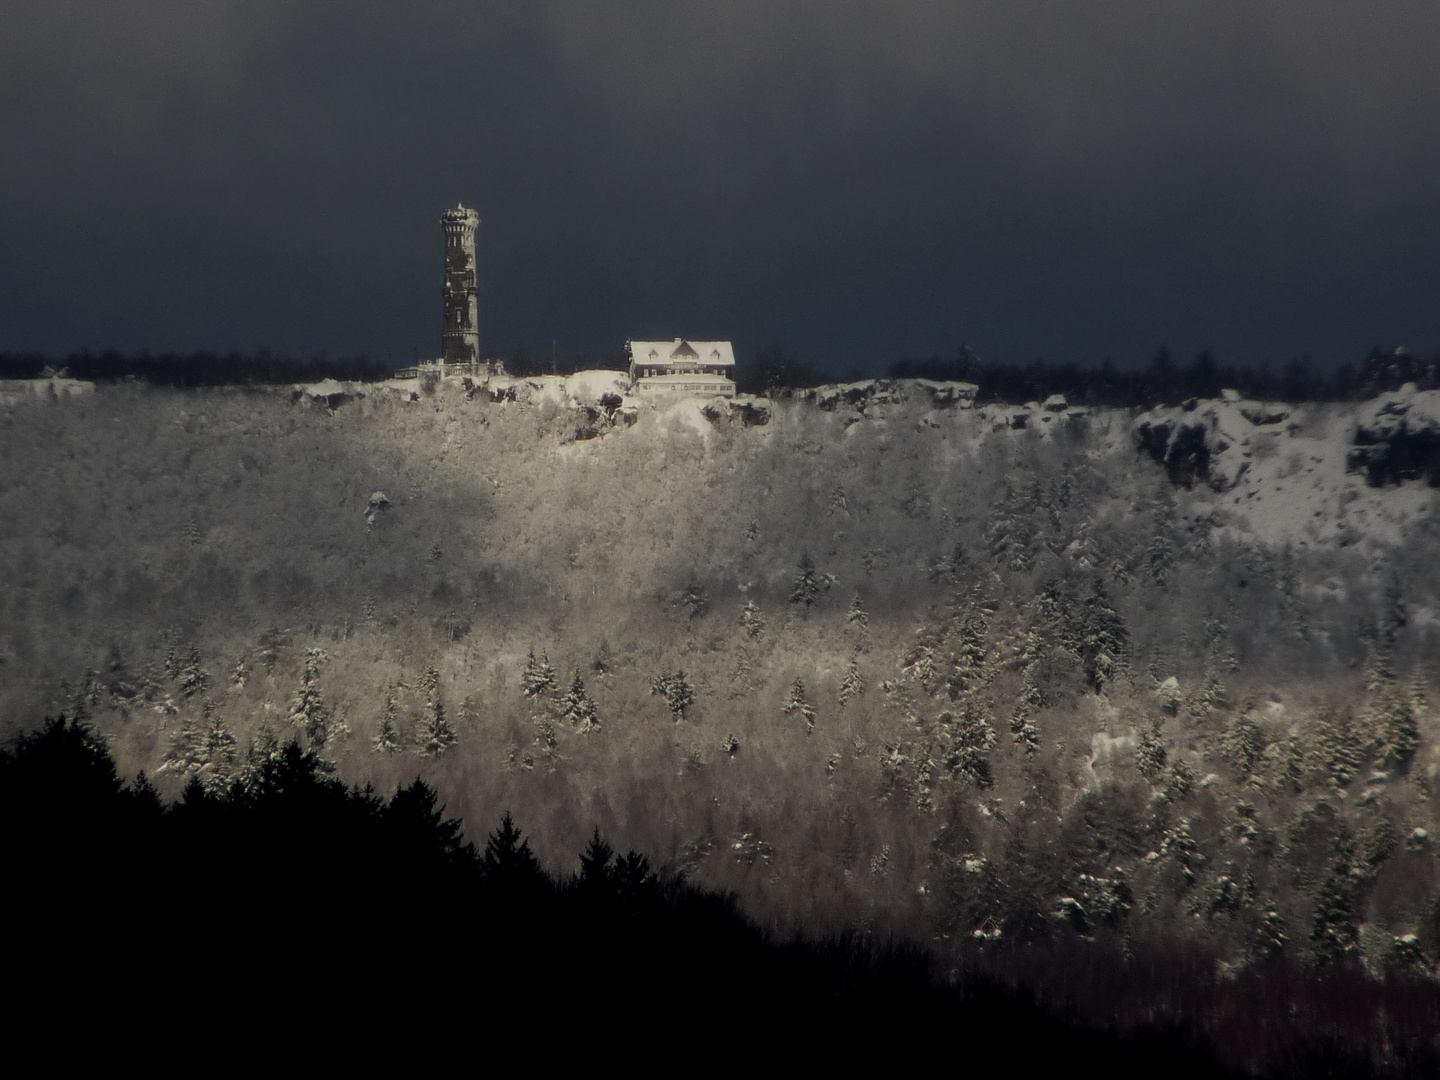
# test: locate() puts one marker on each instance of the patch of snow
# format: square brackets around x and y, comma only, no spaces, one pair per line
[588,387]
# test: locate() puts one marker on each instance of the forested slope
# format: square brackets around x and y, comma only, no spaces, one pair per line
[869,656]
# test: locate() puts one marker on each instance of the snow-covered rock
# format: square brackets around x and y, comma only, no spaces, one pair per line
[1397,438]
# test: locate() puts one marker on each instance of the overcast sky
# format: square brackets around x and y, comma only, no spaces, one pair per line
[853,181]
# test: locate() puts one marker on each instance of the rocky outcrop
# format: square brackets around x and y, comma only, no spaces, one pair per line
[868,393]
[1183,449]
[1397,438]
[330,394]
[1208,442]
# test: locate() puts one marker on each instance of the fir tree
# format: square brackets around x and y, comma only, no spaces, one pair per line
[970,740]
[1341,751]
[857,616]
[1208,699]
[1158,558]
[1243,744]
[694,600]
[216,752]
[751,620]
[240,674]
[577,707]
[1022,718]
[677,690]
[1178,845]
[1419,695]
[1408,954]
[434,734]
[1179,782]
[190,672]
[1394,618]
[595,860]
[1334,933]
[264,747]
[387,740]
[1103,639]
[967,664]
[1151,756]
[1380,670]
[307,707]
[796,702]
[805,589]
[538,676]
[508,862]
[853,684]
[1399,731]
[1269,938]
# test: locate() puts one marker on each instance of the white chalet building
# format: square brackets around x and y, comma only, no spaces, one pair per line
[682,367]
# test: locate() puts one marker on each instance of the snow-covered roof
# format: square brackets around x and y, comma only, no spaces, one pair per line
[681,349]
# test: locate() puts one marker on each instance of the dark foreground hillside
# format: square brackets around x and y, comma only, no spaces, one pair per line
[292,894]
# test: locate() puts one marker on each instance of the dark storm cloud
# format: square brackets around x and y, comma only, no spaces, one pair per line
[855,180]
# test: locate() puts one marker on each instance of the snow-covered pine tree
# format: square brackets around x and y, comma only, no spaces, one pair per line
[1419,694]
[1269,940]
[216,752]
[387,740]
[264,746]
[1334,932]
[1104,640]
[857,615]
[967,662]
[694,600]
[434,733]
[970,738]
[577,706]
[1399,731]
[1179,782]
[240,674]
[1208,699]
[795,702]
[1178,845]
[853,684]
[1159,556]
[307,707]
[919,660]
[190,671]
[1340,750]
[1243,744]
[751,620]
[538,676]
[805,589]
[677,690]
[1380,670]
[1031,700]
[1151,756]
[1394,617]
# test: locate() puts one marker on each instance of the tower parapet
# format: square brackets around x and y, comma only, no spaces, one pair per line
[460,343]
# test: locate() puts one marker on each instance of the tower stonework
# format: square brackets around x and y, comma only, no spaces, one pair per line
[461,340]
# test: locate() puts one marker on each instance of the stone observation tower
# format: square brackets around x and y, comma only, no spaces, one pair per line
[461,342]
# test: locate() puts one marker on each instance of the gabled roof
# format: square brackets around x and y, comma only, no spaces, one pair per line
[677,350]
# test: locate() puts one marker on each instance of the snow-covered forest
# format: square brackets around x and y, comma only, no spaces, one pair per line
[868,655]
